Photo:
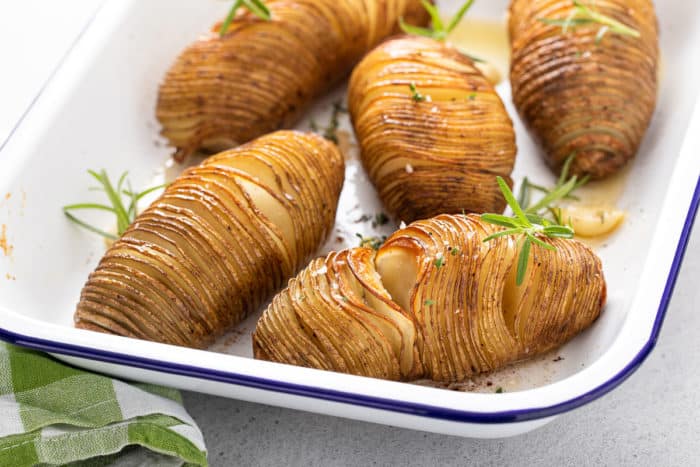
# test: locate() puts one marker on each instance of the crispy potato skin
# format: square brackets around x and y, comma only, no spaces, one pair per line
[460,295]
[440,155]
[221,239]
[261,75]
[576,95]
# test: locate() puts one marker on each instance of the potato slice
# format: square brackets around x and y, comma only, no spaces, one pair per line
[579,93]
[440,150]
[220,239]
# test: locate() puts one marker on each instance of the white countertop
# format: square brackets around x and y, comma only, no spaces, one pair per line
[652,419]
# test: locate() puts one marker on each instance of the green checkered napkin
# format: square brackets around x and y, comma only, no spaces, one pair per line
[54,414]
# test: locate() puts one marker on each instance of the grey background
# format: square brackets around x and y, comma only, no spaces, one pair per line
[652,419]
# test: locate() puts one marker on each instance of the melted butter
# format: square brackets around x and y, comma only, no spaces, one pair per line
[595,216]
[605,192]
[484,39]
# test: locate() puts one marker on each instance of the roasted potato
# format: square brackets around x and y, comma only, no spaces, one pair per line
[435,301]
[432,130]
[221,239]
[579,93]
[261,75]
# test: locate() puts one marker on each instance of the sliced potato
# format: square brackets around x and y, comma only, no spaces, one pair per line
[220,239]
[337,315]
[261,75]
[580,93]
[446,294]
[438,149]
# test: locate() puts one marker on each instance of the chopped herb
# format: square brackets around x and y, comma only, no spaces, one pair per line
[257,7]
[583,15]
[499,390]
[345,299]
[373,242]
[439,262]
[454,251]
[124,209]
[429,302]
[380,219]
[415,95]
[439,30]
[329,132]
[472,96]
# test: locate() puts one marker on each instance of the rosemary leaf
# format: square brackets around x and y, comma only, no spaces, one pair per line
[583,15]
[510,199]
[500,219]
[522,261]
[257,7]
[438,30]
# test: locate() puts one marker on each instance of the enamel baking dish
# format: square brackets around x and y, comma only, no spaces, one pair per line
[97,111]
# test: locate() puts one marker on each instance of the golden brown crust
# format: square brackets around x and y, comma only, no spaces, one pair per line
[466,314]
[220,239]
[440,155]
[261,75]
[576,95]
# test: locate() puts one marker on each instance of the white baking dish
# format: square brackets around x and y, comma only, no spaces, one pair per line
[97,111]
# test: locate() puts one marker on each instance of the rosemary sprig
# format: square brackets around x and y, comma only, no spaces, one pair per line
[123,202]
[257,7]
[583,15]
[528,225]
[439,30]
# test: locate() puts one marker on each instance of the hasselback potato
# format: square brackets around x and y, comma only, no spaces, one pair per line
[261,75]
[578,92]
[221,238]
[437,289]
[433,132]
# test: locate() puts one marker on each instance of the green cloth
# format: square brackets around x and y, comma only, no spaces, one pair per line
[54,414]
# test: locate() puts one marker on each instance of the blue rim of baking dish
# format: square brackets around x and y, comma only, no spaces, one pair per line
[407,408]
[402,407]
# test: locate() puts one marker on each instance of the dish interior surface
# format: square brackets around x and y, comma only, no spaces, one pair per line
[98,112]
